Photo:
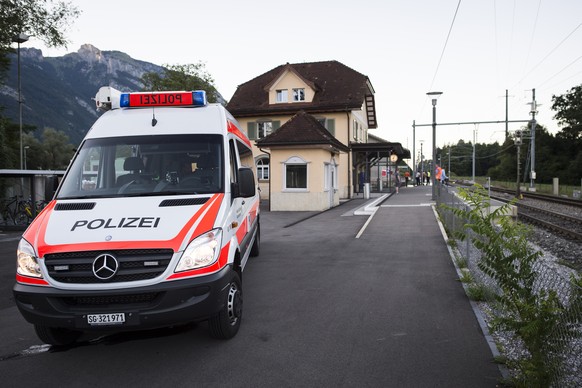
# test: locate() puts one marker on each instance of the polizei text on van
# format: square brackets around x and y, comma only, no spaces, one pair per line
[111,223]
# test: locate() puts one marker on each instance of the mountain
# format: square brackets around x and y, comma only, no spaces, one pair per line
[58,91]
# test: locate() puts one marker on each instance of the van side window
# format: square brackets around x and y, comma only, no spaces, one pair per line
[233,163]
[245,154]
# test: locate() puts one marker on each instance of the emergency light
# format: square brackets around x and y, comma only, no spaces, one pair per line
[134,100]
[110,98]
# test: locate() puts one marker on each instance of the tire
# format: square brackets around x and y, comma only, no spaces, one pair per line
[256,248]
[226,323]
[56,336]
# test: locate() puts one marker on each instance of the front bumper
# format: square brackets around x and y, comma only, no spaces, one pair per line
[161,305]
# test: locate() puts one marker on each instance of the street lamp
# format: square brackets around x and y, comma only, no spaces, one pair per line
[421,164]
[20,38]
[25,148]
[434,96]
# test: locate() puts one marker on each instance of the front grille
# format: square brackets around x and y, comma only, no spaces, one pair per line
[134,265]
[81,301]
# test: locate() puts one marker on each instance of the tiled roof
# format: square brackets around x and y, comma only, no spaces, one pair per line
[302,129]
[338,88]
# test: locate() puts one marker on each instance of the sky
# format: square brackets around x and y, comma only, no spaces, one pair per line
[470,50]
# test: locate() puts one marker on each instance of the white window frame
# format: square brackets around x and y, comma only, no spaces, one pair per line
[295,161]
[264,129]
[298,94]
[263,164]
[282,95]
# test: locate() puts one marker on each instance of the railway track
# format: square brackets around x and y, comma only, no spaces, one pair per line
[543,197]
[561,223]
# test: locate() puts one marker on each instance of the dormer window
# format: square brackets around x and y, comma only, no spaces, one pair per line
[298,94]
[282,95]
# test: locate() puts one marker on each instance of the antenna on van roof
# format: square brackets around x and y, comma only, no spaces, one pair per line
[154,121]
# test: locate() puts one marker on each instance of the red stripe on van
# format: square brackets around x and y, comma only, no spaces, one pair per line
[205,216]
[232,128]
[29,280]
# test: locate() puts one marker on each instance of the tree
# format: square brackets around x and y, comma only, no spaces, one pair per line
[10,141]
[182,77]
[43,19]
[568,109]
[506,164]
[53,152]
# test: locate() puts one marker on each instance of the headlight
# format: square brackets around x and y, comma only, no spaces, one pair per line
[201,252]
[26,260]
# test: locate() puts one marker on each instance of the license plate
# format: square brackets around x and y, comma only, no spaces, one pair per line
[106,319]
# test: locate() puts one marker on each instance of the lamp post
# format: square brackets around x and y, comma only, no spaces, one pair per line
[20,38]
[25,148]
[421,164]
[434,96]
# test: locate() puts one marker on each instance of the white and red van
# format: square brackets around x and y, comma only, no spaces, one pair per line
[151,226]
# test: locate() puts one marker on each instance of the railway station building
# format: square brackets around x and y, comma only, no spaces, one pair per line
[310,123]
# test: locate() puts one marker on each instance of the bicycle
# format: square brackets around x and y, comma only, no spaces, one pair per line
[16,212]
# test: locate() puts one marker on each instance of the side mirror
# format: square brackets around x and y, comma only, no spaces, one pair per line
[51,184]
[246,183]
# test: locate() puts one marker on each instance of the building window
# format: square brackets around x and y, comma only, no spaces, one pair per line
[263,169]
[282,95]
[296,176]
[259,129]
[264,128]
[329,124]
[298,95]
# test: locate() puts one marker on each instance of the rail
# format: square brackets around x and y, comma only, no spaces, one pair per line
[561,223]
[545,197]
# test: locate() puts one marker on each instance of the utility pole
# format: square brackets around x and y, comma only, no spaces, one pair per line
[517,140]
[449,167]
[506,113]
[414,151]
[533,141]
[474,143]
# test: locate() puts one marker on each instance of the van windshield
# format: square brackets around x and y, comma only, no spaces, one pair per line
[146,165]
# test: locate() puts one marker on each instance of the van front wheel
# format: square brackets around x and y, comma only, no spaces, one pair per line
[225,324]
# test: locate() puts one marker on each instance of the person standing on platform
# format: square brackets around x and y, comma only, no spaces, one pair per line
[438,171]
[396,179]
[444,177]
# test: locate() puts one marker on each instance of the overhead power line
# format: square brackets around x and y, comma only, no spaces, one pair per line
[564,68]
[548,55]
[532,36]
[445,46]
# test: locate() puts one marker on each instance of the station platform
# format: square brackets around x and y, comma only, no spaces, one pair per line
[388,271]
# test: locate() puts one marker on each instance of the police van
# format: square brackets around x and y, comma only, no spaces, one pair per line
[151,226]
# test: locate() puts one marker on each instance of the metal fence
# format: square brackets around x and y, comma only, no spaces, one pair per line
[550,276]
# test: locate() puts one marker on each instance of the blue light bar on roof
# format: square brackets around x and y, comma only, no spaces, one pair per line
[135,100]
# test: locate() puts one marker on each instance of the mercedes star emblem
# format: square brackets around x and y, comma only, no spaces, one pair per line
[105,266]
